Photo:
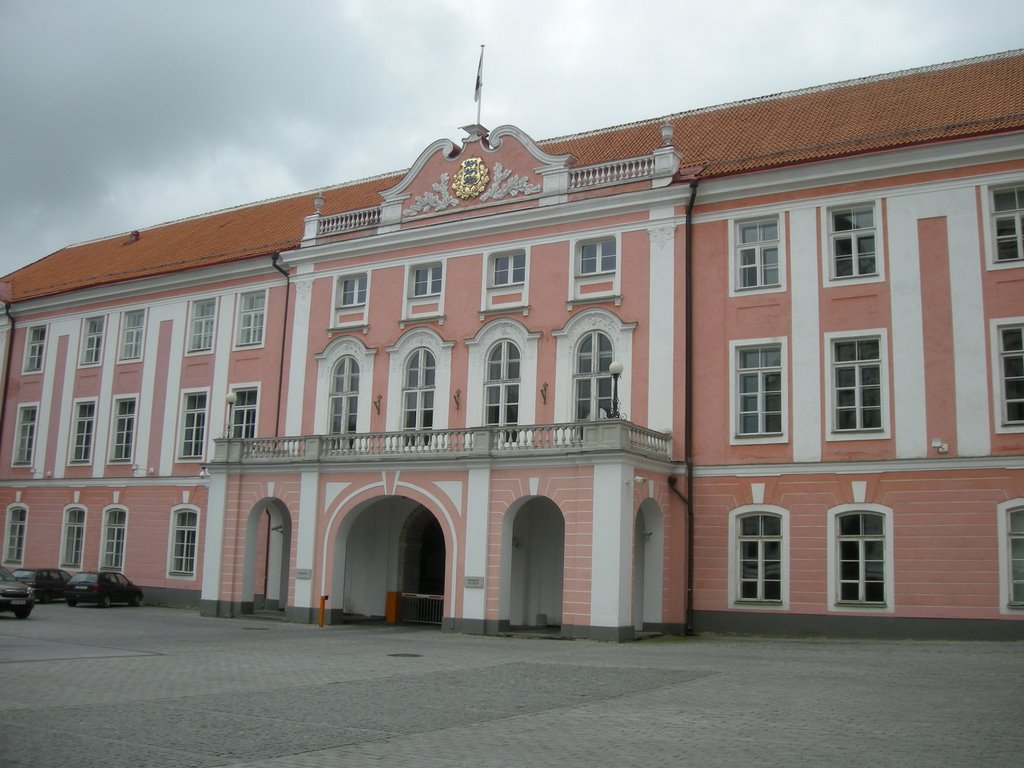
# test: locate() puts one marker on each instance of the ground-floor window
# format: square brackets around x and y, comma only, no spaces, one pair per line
[14,548]
[184,530]
[113,539]
[73,538]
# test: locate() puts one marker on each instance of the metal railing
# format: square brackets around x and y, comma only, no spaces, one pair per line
[420,609]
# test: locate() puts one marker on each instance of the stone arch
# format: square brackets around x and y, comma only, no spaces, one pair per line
[268,544]
[648,565]
[621,335]
[532,563]
[343,346]
[479,347]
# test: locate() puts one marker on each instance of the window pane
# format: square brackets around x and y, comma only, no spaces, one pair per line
[872,524]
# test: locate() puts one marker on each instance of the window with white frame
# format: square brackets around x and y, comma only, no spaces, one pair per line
[123,437]
[757,253]
[114,527]
[193,425]
[35,349]
[184,534]
[759,540]
[14,545]
[243,413]
[501,388]
[1011,368]
[860,538]
[133,324]
[857,384]
[351,291]
[759,390]
[852,241]
[25,440]
[426,280]
[83,430]
[92,340]
[251,315]
[1016,562]
[200,330]
[508,268]
[418,391]
[73,538]
[344,396]
[596,256]
[592,380]
[1008,219]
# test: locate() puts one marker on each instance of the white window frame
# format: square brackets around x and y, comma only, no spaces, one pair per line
[834,605]
[397,356]
[583,287]
[735,247]
[18,457]
[992,232]
[504,385]
[1004,510]
[173,529]
[15,530]
[830,278]
[249,333]
[113,548]
[512,295]
[93,330]
[35,349]
[512,255]
[999,422]
[116,430]
[82,426]
[599,257]
[434,272]
[883,433]
[361,291]
[240,413]
[133,337]
[344,403]
[200,323]
[184,426]
[65,530]
[343,346]
[735,601]
[740,345]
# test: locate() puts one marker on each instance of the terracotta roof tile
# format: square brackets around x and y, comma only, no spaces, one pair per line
[942,102]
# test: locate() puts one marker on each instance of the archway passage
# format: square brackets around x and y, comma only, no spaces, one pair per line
[265,576]
[537,556]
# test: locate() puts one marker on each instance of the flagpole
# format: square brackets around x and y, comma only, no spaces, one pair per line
[478,94]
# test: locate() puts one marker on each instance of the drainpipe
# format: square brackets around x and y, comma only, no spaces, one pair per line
[284,337]
[7,369]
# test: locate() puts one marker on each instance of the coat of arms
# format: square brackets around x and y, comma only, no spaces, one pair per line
[471,178]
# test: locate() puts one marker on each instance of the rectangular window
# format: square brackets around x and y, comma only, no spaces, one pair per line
[251,313]
[1016,534]
[760,557]
[857,384]
[184,530]
[193,432]
[757,253]
[26,436]
[243,414]
[351,291]
[35,349]
[113,539]
[861,540]
[74,536]
[597,257]
[852,239]
[92,340]
[83,429]
[508,269]
[17,521]
[426,281]
[1008,205]
[759,391]
[132,327]
[124,430]
[200,336]
[1011,354]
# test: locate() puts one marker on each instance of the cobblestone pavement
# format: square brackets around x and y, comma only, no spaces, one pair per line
[134,687]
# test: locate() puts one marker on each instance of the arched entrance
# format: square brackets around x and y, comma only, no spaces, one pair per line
[533,557]
[268,545]
[648,560]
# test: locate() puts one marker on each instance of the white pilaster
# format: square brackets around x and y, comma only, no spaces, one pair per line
[807,374]
[661,308]
[305,545]
[612,549]
[475,557]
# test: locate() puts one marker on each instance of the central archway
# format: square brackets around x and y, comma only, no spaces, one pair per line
[534,556]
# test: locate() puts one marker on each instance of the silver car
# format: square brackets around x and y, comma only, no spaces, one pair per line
[15,596]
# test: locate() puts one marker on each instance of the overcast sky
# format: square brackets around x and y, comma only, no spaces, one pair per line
[121,114]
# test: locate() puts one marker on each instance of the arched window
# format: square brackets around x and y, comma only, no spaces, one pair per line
[418,390]
[759,537]
[501,388]
[184,530]
[344,396]
[115,523]
[1017,557]
[861,542]
[17,521]
[74,536]
[592,382]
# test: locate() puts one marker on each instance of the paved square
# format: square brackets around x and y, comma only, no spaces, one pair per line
[87,687]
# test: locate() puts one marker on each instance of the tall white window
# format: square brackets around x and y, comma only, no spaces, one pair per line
[251,314]
[1011,358]
[757,253]
[596,257]
[1008,205]
[592,381]
[92,340]
[133,325]
[243,413]
[124,430]
[852,241]
[418,391]
[759,538]
[14,546]
[351,291]
[426,280]
[501,389]
[200,334]
[193,432]
[759,390]
[184,532]
[35,349]
[114,528]
[861,557]
[73,538]
[25,439]
[84,427]
[1016,545]
[508,269]
[344,396]
[857,384]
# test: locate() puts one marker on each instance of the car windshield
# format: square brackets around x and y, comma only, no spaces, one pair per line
[5,574]
[83,578]
[21,573]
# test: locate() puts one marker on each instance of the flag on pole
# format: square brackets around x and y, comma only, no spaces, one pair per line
[479,76]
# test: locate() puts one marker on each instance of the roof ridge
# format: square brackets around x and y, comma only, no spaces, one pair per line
[790,94]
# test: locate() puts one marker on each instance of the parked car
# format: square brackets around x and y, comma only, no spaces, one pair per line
[15,595]
[102,588]
[47,583]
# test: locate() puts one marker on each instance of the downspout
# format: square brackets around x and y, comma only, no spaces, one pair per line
[284,337]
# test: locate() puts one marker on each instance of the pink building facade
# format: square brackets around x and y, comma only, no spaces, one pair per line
[740,370]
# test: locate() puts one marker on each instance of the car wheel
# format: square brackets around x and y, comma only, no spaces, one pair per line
[105,601]
[22,613]
[135,600]
[70,602]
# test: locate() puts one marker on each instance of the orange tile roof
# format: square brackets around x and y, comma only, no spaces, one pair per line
[946,101]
